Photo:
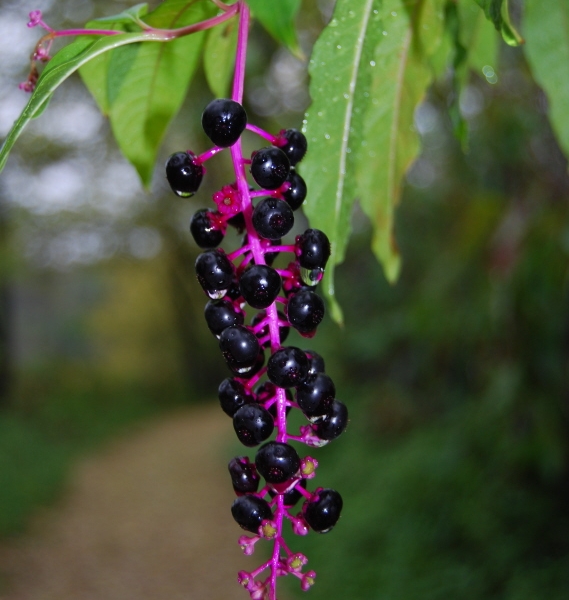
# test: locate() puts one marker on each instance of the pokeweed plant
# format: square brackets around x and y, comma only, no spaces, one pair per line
[369,69]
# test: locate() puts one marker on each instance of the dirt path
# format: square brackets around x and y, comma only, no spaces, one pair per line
[146,519]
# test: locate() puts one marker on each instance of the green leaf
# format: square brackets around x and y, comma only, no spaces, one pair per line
[360,124]
[277,17]
[219,57]
[497,12]
[142,89]
[546,31]
[68,60]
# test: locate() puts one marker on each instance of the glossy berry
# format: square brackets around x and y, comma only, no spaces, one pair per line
[272,218]
[232,396]
[323,510]
[333,423]
[183,174]
[253,424]
[283,329]
[316,395]
[305,311]
[288,367]
[277,462]
[205,234]
[260,285]
[223,121]
[291,497]
[240,348]
[317,364]
[244,476]
[250,512]
[313,249]
[270,167]
[215,272]
[220,314]
[294,145]
[256,367]
[296,193]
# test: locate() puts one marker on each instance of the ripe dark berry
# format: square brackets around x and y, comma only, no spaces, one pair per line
[240,348]
[232,396]
[333,423]
[305,311]
[253,424]
[223,121]
[220,314]
[323,510]
[296,193]
[316,362]
[312,249]
[203,231]
[260,285]
[294,145]
[291,497]
[283,329]
[250,512]
[270,167]
[183,174]
[256,367]
[272,218]
[244,476]
[288,367]
[277,462]
[215,272]
[316,395]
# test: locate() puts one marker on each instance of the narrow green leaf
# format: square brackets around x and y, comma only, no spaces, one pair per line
[497,12]
[480,39]
[60,67]
[219,57]
[360,124]
[546,29]
[277,17]
[142,90]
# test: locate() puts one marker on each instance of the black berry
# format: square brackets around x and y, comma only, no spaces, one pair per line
[260,285]
[253,424]
[270,167]
[305,311]
[183,174]
[250,512]
[203,231]
[296,193]
[288,367]
[256,367]
[323,510]
[272,218]
[223,121]
[294,145]
[232,396]
[316,395]
[215,272]
[220,314]
[291,497]
[333,423]
[316,362]
[240,348]
[313,249]
[277,462]
[244,476]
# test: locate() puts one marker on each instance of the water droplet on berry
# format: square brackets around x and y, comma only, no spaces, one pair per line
[182,194]
[216,294]
[311,277]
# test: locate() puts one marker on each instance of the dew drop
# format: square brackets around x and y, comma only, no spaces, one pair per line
[217,294]
[351,13]
[333,23]
[376,12]
[384,32]
[311,277]
[348,150]
[393,13]
[372,63]
[183,194]
[319,113]
[346,96]
[327,136]
[339,47]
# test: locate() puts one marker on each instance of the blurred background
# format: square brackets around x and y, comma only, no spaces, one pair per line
[455,467]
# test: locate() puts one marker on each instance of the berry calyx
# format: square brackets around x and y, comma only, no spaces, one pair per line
[240,348]
[293,143]
[270,167]
[272,218]
[204,231]
[253,424]
[277,462]
[184,174]
[244,476]
[260,285]
[288,367]
[250,512]
[215,272]
[223,121]
[322,511]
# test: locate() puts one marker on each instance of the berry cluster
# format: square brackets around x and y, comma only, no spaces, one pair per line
[295,378]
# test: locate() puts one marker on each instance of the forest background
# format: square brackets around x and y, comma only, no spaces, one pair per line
[456,461]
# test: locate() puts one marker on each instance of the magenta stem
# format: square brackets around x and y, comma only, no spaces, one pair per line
[265,134]
[207,155]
